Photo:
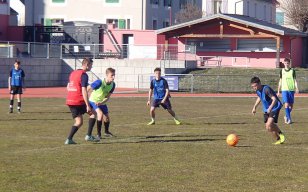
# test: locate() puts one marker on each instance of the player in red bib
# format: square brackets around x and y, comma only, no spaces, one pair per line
[77,97]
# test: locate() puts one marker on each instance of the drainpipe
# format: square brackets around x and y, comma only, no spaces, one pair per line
[142,13]
[235,4]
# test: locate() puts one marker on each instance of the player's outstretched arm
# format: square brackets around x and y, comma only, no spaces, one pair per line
[9,83]
[296,86]
[150,96]
[279,87]
[254,109]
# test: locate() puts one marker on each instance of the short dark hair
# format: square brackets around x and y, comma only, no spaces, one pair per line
[287,60]
[87,61]
[255,80]
[110,70]
[157,69]
[17,61]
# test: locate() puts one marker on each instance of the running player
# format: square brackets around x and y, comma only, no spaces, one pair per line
[271,107]
[287,85]
[160,88]
[16,84]
[77,97]
[101,92]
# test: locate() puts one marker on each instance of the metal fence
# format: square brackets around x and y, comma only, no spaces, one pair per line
[96,51]
[202,83]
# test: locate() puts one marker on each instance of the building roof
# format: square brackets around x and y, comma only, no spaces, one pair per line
[242,19]
[13,12]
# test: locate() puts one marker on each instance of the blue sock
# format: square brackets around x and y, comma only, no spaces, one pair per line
[288,113]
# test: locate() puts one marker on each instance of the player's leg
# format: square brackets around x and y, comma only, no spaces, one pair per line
[106,120]
[286,101]
[99,122]
[271,121]
[12,97]
[290,105]
[91,123]
[168,107]
[19,103]
[155,103]
[77,112]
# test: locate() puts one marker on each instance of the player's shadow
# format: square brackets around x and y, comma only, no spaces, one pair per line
[46,112]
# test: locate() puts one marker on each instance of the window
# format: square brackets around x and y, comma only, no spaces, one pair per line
[154,24]
[258,45]
[112,1]
[58,1]
[154,2]
[166,24]
[264,8]
[210,45]
[113,21]
[280,18]
[128,24]
[168,3]
[122,24]
[217,6]
[3,1]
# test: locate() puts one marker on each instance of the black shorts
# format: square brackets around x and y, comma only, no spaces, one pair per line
[77,110]
[16,90]
[157,102]
[273,114]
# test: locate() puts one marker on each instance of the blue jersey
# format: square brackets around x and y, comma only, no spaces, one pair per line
[17,77]
[265,95]
[159,87]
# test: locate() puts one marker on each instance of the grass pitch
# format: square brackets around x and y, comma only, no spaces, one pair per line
[163,157]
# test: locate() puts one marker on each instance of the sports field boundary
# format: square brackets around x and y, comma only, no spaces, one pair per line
[60,92]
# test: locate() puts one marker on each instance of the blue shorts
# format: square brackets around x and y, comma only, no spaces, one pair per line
[287,96]
[104,108]
[157,102]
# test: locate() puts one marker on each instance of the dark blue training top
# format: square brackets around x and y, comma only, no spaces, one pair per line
[159,87]
[265,95]
[17,77]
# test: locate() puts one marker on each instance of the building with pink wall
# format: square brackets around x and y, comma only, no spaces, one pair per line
[236,41]
[4,19]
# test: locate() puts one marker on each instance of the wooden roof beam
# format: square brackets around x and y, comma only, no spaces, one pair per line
[225,36]
[252,32]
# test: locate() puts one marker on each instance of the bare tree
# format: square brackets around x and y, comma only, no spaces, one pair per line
[296,12]
[189,12]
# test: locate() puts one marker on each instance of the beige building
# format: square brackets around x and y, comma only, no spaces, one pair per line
[125,14]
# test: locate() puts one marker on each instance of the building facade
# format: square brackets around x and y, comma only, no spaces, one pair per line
[124,14]
[260,9]
[137,14]
[4,18]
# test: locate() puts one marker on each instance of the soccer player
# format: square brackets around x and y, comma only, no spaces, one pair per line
[160,88]
[287,85]
[77,97]
[101,92]
[16,84]
[271,107]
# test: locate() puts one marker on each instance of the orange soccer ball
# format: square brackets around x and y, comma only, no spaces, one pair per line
[232,139]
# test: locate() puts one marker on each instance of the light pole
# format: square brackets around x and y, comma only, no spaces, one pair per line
[170,14]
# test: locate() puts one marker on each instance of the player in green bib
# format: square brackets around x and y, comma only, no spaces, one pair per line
[101,92]
[287,85]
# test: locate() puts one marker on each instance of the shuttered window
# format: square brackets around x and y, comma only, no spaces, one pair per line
[258,45]
[220,45]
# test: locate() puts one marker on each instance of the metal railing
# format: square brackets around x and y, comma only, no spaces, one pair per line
[96,51]
[202,83]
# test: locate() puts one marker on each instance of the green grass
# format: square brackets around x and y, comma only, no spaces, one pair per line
[164,157]
[235,80]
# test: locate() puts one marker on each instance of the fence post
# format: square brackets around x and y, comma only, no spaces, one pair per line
[61,51]
[48,46]
[94,51]
[8,49]
[138,81]
[192,83]
[29,47]
[218,83]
